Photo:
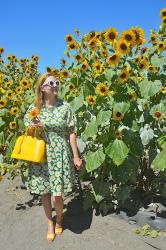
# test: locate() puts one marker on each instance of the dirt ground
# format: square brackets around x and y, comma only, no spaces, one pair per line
[23,225]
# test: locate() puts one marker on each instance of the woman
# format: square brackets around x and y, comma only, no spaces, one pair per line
[56,176]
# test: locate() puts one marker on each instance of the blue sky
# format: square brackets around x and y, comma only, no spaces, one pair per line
[39,27]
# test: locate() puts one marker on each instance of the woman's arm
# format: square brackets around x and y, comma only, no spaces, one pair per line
[77,161]
[73,143]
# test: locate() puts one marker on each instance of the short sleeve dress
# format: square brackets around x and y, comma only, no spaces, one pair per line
[57,174]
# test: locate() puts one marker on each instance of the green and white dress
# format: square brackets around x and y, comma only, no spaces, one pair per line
[57,175]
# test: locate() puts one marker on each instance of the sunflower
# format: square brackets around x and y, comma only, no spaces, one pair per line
[33,113]
[73,45]
[103,52]
[35,58]
[161,46]
[113,59]
[163,90]
[8,57]
[122,46]
[151,68]
[144,50]
[3,103]
[1,50]
[142,64]
[7,84]
[102,89]
[24,84]
[92,45]
[97,67]
[9,94]
[90,36]
[163,13]
[123,76]
[118,116]
[69,38]
[78,58]
[84,66]
[129,36]
[111,34]
[13,125]
[132,96]
[14,110]
[64,73]
[158,115]
[63,62]
[153,38]
[163,23]
[91,100]
[71,87]
[118,134]
[139,35]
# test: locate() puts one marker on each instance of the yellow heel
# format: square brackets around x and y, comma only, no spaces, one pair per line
[58,230]
[50,236]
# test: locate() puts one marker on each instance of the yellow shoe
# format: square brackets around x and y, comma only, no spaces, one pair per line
[58,230]
[50,236]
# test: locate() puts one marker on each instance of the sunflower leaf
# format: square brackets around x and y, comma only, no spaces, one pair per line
[94,159]
[118,151]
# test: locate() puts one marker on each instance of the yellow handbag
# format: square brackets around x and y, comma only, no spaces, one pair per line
[29,148]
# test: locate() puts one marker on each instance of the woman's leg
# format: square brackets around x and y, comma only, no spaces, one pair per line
[58,201]
[46,201]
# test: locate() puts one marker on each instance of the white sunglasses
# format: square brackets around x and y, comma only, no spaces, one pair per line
[51,83]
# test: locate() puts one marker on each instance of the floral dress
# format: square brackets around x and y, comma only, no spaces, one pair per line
[57,174]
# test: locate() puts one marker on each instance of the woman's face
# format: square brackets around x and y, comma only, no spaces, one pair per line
[50,85]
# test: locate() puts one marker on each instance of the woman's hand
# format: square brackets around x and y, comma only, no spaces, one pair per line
[77,163]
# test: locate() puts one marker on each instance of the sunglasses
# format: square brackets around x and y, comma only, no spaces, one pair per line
[51,83]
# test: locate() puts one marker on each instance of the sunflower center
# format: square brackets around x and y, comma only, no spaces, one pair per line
[123,75]
[78,57]
[157,114]
[72,46]
[164,13]
[123,46]
[102,89]
[69,38]
[161,45]
[128,37]
[164,20]
[111,35]
[98,67]
[118,114]
[113,58]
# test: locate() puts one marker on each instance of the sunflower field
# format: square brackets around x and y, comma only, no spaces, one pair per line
[116,84]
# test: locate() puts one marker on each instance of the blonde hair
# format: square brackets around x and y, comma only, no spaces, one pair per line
[39,95]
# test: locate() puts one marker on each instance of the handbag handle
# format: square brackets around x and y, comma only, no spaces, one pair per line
[26,131]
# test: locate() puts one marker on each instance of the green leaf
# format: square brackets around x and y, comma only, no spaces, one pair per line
[88,201]
[90,130]
[21,124]
[118,151]
[100,189]
[146,134]
[109,74]
[121,107]
[122,193]
[158,61]
[103,116]
[159,163]
[94,159]
[149,88]
[77,102]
